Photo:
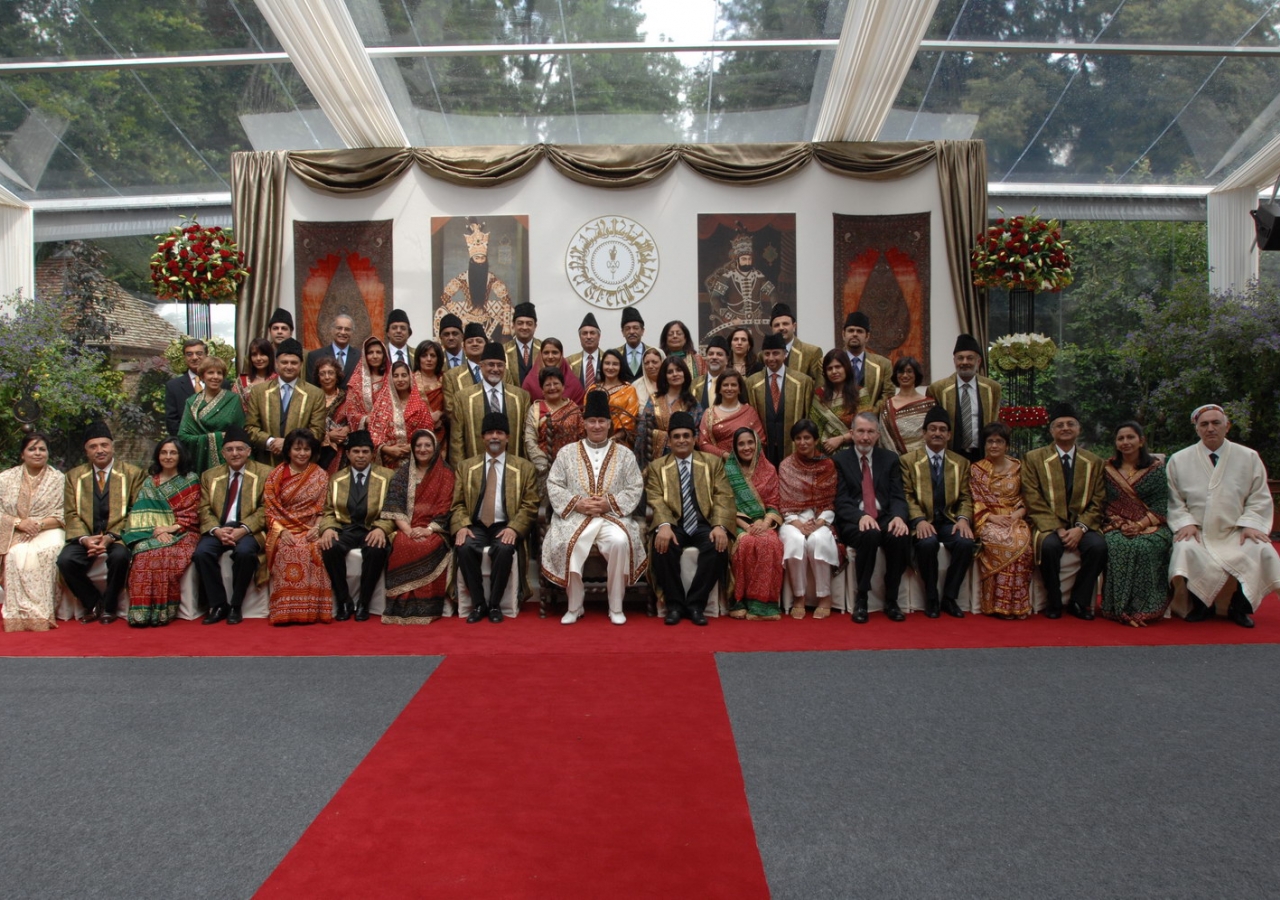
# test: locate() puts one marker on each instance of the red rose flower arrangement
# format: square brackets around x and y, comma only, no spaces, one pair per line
[1022,252]
[196,264]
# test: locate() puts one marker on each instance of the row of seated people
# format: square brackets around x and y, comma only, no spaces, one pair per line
[1198,522]
[392,391]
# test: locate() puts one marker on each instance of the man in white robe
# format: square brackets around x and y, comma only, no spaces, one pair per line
[593,486]
[1220,512]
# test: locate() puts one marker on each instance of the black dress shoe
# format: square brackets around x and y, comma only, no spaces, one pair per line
[894,613]
[495,615]
[343,613]
[673,616]
[1053,613]
[235,617]
[108,618]
[951,608]
[1200,612]
[362,613]
[477,614]
[1081,612]
[1240,617]
[214,616]
[698,617]
[90,615]
[859,615]
[931,609]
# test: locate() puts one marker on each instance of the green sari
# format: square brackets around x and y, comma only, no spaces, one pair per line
[756,562]
[155,573]
[203,424]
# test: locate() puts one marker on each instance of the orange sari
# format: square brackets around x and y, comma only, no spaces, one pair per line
[300,589]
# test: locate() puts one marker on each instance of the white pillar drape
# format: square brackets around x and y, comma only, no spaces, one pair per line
[17,246]
[1233,258]
[877,45]
[325,47]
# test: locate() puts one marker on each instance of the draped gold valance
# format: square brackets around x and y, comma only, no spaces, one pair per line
[258,184]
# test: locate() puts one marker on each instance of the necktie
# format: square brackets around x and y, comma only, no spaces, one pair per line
[633,360]
[495,402]
[195,383]
[868,491]
[400,357]
[939,490]
[490,495]
[359,479]
[475,373]
[233,493]
[857,369]
[775,390]
[590,371]
[524,355]
[342,359]
[688,502]
[1068,475]
[286,394]
[1213,458]
[454,361]
[102,480]
[966,414]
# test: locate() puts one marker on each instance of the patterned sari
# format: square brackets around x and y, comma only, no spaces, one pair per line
[203,423]
[757,558]
[902,427]
[832,417]
[362,395]
[1136,588]
[155,575]
[1007,555]
[300,590]
[434,398]
[241,388]
[715,433]
[546,431]
[393,419]
[30,563]
[331,456]
[418,569]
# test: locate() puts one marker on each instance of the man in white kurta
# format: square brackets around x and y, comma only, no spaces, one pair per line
[1220,512]
[593,486]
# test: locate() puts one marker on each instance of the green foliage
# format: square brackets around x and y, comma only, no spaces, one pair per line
[45,362]
[1198,347]
[177,364]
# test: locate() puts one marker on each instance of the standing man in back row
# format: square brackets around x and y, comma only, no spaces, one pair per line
[972,401]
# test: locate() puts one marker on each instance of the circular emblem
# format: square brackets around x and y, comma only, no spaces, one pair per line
[612,262]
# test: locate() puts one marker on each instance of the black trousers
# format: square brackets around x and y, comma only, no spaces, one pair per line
[208,562]
[1093,558]
[666,568]
[961,550]
[896,549]
[373,563]
[470,555]
[74,564]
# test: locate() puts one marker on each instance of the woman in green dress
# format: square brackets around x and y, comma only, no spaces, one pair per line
[208,415]
[757,552]
[1136,588]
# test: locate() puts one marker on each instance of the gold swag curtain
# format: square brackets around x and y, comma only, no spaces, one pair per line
[258,185]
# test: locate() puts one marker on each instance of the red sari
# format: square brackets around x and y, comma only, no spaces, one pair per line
[300,589]
[155,574]
[1007,555]
[418,568]
[394,422]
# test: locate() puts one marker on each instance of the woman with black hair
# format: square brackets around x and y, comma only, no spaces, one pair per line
[163,529]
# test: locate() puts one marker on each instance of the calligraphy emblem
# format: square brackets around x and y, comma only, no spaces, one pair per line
[612,262]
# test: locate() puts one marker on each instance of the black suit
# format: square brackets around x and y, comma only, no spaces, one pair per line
[886,478]
[314,357]
[176,393]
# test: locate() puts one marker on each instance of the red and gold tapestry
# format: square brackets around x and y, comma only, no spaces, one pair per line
[342,268]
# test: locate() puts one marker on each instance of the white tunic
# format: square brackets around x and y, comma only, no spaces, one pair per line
[1222,500]
[582,471]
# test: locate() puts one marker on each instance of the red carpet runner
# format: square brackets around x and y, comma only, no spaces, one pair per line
[550,776]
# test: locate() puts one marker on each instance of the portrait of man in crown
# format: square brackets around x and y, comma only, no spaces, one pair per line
[497,260]
[746,264]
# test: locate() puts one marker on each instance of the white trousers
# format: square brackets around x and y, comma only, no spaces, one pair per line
[615,547]
[809,557]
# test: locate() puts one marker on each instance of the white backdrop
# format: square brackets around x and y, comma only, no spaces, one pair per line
[668,208]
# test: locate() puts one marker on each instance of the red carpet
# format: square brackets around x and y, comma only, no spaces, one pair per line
[594,635]
[552,776]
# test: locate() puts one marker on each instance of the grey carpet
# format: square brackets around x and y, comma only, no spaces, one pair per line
[1045,773]
[172,778]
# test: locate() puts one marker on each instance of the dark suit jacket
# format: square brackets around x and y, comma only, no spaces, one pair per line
[886,476]
[353,358]
[392,358]
[176,392]
[797,397]
[519,492]
[639,362]
[917,483]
